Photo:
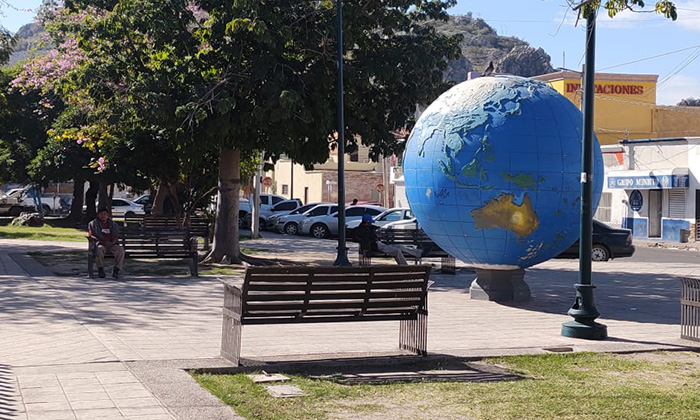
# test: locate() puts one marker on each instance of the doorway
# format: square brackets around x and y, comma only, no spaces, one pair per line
[655,202]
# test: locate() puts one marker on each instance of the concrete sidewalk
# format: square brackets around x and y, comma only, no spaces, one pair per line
[75,348]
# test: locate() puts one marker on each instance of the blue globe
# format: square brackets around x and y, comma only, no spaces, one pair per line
[493,172]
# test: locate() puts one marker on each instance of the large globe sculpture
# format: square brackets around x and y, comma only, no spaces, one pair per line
[493,172]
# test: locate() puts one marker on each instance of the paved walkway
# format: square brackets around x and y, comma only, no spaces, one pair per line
[75,348]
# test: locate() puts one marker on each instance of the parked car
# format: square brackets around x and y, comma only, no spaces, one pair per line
[285,208]
[122,207]
[289,223]
[146,202]
[325,226]
[391,215]
[267,201]
[17,200]
[608,243]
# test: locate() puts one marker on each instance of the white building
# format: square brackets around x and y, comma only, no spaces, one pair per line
[652,187]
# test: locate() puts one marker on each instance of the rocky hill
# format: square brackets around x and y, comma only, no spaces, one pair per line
[481,45]
[28,43]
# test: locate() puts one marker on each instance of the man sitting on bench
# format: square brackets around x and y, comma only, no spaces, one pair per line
[105,235]
[366,236]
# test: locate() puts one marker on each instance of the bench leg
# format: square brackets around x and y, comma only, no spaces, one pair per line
[447,265]
[413,334]
[91,264]
[231,328]
[365,261]
[194,270]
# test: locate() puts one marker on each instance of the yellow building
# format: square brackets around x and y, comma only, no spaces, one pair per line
[625,107]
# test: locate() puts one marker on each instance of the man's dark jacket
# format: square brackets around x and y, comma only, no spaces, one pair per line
[366,236]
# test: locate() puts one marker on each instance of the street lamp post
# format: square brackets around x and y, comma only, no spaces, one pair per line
[584,310]
[342,258]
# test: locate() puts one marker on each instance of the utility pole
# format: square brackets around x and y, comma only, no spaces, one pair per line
[584,310]
[342,258]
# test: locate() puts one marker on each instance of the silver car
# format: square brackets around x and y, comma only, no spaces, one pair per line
[326,225]
[289,223]
[391,215]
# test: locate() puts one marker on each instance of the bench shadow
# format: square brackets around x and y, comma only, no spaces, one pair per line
[645,298]
[9,399]
[376,370]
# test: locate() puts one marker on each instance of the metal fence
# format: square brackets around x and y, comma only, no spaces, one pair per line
[690,308]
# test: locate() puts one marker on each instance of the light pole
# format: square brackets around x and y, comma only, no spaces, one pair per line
[342,258]
[584,310]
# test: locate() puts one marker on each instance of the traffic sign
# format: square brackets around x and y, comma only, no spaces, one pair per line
[380,188]
[267,181]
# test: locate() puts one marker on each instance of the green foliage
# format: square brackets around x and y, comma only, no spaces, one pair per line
[665,8]
[22,129]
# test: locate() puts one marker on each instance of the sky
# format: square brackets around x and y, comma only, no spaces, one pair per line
[637,43]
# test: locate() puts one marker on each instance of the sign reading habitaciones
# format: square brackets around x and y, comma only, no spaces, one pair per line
[609,89]
[649,182]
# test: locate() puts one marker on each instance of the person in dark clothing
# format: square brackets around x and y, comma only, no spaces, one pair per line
[366,236]
[105,233]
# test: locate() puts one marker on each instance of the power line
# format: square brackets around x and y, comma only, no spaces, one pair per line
[650,58]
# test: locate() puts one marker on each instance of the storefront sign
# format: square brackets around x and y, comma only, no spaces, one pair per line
[609,89]
[636,200]
[648,182]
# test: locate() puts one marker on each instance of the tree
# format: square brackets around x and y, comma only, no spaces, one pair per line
[272,79]
[689,102]
[260,76]
[666,8]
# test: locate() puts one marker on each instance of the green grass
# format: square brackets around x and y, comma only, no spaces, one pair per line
[557,386]
[44,233]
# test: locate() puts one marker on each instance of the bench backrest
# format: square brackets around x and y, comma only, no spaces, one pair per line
[416,237]
[333,294]
[138,240]
[198,226]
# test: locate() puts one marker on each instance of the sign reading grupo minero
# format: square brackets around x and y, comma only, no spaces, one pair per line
[649,182]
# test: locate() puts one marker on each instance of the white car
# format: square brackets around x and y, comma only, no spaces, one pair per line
[326,225]
[288,221]
[391,215]
[267,201]
[125,208]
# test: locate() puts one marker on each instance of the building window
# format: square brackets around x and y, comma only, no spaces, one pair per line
[355,157]
[676,204]
[285,189]
[603,212]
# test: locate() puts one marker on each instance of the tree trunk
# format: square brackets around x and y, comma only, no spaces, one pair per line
[175,200]
[159,199]
[90,197]
[76,207]
[226,241]
[103,197]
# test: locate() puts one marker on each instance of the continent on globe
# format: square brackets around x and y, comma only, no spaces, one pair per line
[503,213]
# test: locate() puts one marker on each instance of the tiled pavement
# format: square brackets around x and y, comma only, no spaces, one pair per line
[74,348]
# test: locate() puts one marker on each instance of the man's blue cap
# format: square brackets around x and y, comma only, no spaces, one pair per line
[367,218]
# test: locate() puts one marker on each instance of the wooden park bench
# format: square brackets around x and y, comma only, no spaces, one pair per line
[198,226]
[293,295]
[410,237]
[148,243]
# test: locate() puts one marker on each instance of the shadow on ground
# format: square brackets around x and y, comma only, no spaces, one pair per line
[380,370]
[653,298]
[9,404]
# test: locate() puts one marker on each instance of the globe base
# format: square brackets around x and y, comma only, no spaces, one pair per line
[500,285]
